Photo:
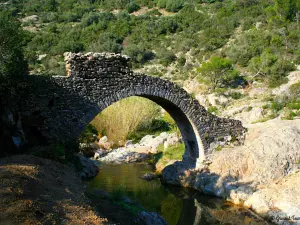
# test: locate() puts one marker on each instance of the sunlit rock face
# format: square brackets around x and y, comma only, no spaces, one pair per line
[263,174]
[63,106]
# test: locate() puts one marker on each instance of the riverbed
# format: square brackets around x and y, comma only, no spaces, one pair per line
[177,205]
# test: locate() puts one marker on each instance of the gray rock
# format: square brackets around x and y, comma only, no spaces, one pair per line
[122,155]
[126,200]
[100,153]
[98,193]
[89,168]
[150,218]
[262,175]
[128,143]
[149,176]
[104,139]
[33,19]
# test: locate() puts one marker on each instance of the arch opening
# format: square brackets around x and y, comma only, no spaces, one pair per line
[190,136]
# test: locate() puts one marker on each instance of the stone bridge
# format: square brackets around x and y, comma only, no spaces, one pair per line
[60,109]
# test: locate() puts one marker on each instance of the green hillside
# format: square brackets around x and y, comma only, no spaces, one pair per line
[248,39]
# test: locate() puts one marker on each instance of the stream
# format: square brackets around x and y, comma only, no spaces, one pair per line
[177,205]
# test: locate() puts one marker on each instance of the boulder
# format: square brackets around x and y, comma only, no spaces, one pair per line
[217,100]
[150,218]
[99,153]
[88,149]
[263,174]
[149,176]
[103,139]
[89,168]
[154,142]
[103,143]
[122,155]
[128,143]
[32,19]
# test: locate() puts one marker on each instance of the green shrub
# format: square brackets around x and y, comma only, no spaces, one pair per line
[213,110]
[295,90]
[166,57]
[174,152]
[289,116]
[249,108]
[181,61]
[12,40]
[236,95]
[174,5]
[276,106]
[293,105]
[132,7]
[87,136]
[219,148]
[219,72]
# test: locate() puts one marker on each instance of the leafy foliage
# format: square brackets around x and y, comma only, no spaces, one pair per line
[219,72]
[12,37]
[261,38]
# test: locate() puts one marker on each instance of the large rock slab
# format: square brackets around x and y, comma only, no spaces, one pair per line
[263,174]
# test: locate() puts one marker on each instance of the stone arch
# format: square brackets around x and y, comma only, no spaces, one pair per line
[96,80]
[194,147]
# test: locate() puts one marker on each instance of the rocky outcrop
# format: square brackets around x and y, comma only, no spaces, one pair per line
[263,174]
[149,176]
[88,168]
[122,155]
[150,218]
[153,142]
[137,152]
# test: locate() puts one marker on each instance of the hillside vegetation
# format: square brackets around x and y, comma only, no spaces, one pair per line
[246,40]
[217,45]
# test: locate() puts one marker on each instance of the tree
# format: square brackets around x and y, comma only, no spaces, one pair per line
[219,72]
[261,65]
[132,7]
[12,61]
[287,9]
[174,5]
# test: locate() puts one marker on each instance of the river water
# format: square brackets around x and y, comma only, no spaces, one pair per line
[178,206]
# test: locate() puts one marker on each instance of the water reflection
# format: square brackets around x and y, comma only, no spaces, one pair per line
[179,206]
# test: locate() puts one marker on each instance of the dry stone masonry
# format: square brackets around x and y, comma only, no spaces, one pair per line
[96,80]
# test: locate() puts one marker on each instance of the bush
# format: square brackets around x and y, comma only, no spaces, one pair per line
[219,72]
[12,61]
[279,71]
[213,110]
[293,105]
[181,61]
[236,95]
[132,7]
[166,57]
[173,152]
[295,90]
[138,53]
[88,135]
[174,5]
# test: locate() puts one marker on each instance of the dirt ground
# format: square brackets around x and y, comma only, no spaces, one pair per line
[41,191]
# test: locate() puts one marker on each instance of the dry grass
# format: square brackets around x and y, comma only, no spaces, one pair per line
[125,116]
[41,191]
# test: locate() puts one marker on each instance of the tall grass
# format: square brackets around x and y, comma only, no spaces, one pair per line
[126,116]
